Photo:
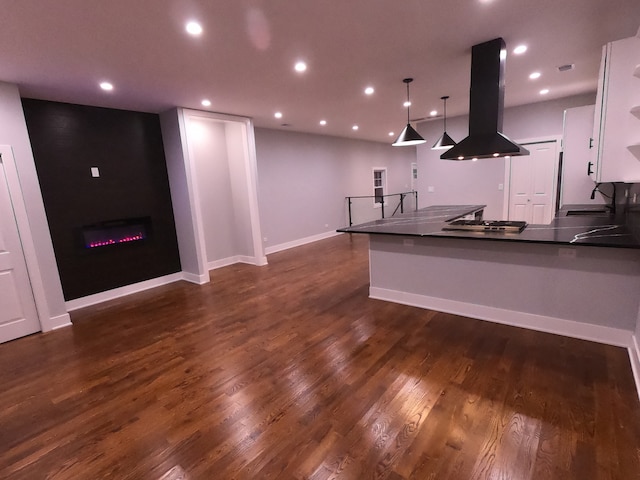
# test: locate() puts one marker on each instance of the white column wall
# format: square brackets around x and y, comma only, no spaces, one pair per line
[213,190]
[47,287]
[183,198]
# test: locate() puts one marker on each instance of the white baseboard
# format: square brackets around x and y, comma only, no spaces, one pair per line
[195,278]
[568,328]
[258,261]
[82,302]
[54,323]
[300,242]
[222,262]
[634,357]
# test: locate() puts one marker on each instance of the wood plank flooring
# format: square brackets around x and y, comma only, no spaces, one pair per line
[290,371]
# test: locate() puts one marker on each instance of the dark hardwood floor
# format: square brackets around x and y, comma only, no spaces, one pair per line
[290,372]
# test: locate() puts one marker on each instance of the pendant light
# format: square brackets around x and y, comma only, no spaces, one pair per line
[445,141]
[408,136]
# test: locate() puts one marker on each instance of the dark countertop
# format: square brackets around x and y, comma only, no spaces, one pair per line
[599,229]
[423,222]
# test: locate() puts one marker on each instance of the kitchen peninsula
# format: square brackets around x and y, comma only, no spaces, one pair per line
[578,276]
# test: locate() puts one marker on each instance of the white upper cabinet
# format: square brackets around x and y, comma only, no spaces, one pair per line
[616,129]
[576,160]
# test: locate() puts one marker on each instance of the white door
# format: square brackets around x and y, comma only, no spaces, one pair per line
[532,183]
[18,314]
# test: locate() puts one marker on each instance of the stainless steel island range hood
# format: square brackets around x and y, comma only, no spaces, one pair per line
[486,104]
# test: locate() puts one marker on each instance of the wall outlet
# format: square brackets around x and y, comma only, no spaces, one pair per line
[501,186]
[326,225]
[264,239]
[95,172]
[430,189]
[564,252]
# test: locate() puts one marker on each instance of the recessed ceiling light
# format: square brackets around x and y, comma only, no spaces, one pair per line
[300,67]
[369,91]
[407,104]
[496,154]
[534,75]
[206,103]
[355,127]
[323,122]
[106,86]
[474,159]
[391,134]
[278,114]
[544,91]
[193,28]
[520,49]
[461,158]
[433,113]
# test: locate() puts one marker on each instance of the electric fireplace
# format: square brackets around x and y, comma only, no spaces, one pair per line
[124,231]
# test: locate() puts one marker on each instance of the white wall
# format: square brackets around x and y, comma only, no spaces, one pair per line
[13,132]
[235,134]
[208,147]
[303,180]
[477,182]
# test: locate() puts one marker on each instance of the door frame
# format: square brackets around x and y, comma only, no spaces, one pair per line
[507,171]
[24,230]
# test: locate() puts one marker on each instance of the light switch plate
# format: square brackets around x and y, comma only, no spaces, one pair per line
[95,173]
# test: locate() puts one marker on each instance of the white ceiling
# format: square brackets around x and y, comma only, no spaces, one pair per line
[243,62]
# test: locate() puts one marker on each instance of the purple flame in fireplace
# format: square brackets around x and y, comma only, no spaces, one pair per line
[114,233]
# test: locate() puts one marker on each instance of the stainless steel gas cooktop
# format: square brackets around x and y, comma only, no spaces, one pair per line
[497,226]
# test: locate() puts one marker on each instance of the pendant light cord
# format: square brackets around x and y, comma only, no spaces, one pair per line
[445,114]
[408,101]
[445,111]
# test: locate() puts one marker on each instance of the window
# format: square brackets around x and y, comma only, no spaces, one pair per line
[414,176]
[379,185]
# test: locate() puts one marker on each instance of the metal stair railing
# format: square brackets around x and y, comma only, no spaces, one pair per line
[399,206]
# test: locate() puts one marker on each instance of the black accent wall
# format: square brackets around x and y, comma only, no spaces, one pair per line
[68,140]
